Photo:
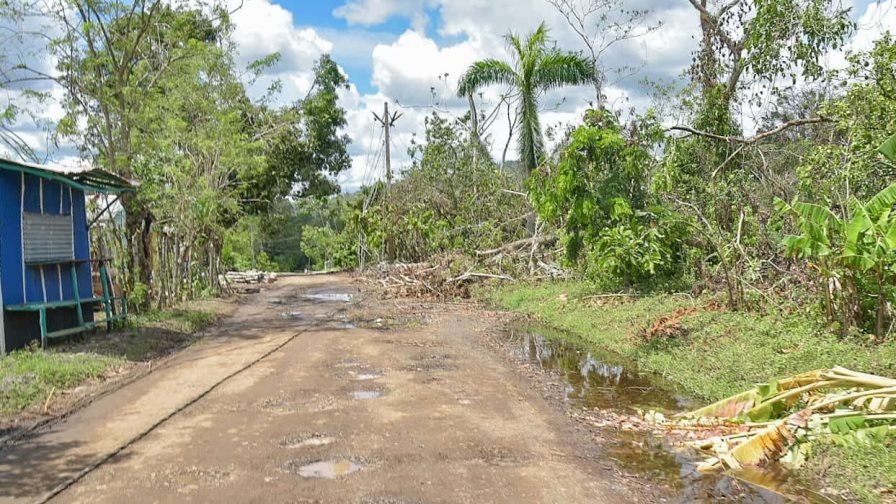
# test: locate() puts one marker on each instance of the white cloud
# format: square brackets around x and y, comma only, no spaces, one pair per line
[263,28]
[878,19]
[433,70]
[373,12]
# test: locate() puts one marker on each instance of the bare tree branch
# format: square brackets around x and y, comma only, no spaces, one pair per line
[755,138]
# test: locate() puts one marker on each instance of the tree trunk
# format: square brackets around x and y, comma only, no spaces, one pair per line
[138,228]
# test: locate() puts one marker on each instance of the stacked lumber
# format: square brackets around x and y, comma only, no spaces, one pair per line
[250,277]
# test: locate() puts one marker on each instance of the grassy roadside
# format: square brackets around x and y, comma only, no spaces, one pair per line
[714,354]
[29,377]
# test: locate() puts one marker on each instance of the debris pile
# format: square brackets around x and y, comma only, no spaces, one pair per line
[440,280]
[778,421]
[249,277]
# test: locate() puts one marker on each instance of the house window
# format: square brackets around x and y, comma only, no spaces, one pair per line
[47,238]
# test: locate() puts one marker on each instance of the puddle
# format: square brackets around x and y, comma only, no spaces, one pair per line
[329,297]
[604,380]
[328,469]
[291,315]
[364,395]
[595,379]
[366,376]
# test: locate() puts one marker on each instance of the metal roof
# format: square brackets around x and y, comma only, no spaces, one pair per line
[86,178]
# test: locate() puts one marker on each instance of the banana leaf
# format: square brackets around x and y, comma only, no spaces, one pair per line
[847,424]
[731,407]
[740,404]
[882,202]
[767,445]
[888,149]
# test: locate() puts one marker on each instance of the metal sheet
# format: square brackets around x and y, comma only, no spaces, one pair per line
[47,237]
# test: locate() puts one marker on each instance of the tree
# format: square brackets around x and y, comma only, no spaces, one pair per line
[763,40]
[106,72]
[601,24]
[535,69]
[306,148]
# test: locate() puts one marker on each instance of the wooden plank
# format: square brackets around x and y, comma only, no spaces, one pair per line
[74,330]
[51,305]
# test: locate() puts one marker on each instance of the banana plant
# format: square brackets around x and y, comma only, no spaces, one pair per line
[870,245]
[819,242]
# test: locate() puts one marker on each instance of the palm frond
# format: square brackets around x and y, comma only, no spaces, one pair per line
[484,73]
[558,69]
[515,46]
[538,39]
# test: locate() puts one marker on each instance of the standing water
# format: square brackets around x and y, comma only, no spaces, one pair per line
[602,380]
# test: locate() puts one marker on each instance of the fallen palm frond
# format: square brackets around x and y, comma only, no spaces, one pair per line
[776,421]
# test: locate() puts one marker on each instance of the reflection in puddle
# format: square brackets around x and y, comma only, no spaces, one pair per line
[329,297]
[601,380]
[291,315]
[364,395]
[328,469]
[366,376]
[594,379]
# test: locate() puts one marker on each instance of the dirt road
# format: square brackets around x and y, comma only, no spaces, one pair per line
[305,396]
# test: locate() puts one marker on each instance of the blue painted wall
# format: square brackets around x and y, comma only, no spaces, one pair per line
[40,283]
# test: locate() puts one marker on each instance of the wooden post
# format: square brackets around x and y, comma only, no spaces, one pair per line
[386,124]
[43,327]
[76,291]
[387,121]
[2,323]
[104,279]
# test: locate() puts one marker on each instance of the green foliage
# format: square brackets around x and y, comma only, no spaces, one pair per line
[637,254]
[328,248]
[139,295]
[848,162]
[451,199]
[858,250]
[535,69]
[598,194]
[308,150]
[243,246]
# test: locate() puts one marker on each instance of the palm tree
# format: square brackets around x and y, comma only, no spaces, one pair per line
[535,69]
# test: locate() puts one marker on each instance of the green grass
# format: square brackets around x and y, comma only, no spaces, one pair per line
[27,377]
[178,319]
[864,472]
[719,354]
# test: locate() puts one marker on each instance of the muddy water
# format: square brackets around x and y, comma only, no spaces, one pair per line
[596,379]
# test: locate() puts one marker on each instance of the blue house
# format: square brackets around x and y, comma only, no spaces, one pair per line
[46,272]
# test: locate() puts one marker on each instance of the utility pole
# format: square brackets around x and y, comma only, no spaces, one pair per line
[387,121]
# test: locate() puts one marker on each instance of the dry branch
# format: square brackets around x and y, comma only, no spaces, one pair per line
[516,245]
[755,138]
[473,274]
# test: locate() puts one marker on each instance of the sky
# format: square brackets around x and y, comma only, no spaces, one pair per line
[412,52]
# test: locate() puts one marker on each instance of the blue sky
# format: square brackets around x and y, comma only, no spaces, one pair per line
[319,15]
